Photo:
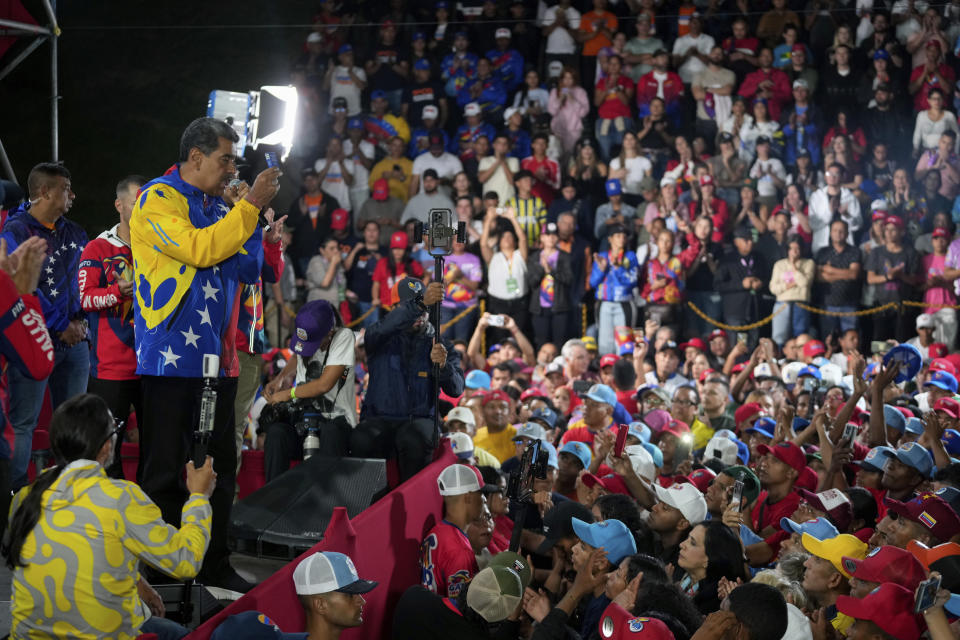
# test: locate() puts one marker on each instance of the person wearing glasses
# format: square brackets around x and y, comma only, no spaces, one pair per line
[76,538]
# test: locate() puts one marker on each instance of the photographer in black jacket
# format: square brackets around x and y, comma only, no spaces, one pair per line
[397,413]
[317,388]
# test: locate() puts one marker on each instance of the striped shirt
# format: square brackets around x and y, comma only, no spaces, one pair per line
[531,214]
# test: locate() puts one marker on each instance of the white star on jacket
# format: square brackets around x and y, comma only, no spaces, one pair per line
[190,337]
[169,357]
[204,316]
[54,293]
[210,291]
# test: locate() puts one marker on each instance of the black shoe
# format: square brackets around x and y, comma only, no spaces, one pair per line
[226,578]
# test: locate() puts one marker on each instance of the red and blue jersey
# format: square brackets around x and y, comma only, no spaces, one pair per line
[250,338]
[106,261]
[509,64]
[58,292]
[24,340]
[447,562]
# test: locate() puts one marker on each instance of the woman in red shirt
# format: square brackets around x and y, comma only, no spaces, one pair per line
[612,97]
[389,270]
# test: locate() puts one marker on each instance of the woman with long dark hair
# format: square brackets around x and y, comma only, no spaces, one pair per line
[76,537]
[393,268]
[711,551]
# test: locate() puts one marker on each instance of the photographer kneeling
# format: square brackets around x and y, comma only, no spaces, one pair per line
[399,406]
[76,536]
[315,394]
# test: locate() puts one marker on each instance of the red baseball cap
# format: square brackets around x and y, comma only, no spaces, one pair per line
[787,453]
[937,350]
[701,479]
[617,623]
[381,189]
[832,502]
[798,47]
[706,179]
[930,511]
[942,364]
[706,372]
[532,392]
[717,333]
[813,348]
[399,240]
[495,395]
[608,360]
[890,607]
[807,480]
[933,43]
[339,219]
[879,214]
[887,564]
[610,482]
[678,428]
[940,232]
[696,343]
[949,406]
[894,220]
[743,413]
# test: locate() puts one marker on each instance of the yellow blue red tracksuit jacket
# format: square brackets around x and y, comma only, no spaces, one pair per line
[80,578]
[190,253]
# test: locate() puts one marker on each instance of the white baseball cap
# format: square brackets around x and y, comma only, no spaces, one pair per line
[508,113]
[641,461]
[462,445]
[462,414]
[686,498]
[459,479]
[429,112]
[502,32]
[328,571]
[471,109]
[722,449]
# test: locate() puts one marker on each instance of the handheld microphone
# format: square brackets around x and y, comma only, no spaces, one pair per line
[261,219]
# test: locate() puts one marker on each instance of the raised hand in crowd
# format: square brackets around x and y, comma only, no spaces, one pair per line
[25,264]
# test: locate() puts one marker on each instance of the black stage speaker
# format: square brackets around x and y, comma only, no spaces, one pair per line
[287,516]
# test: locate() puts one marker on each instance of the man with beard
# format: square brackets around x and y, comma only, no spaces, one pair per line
[396,424]
[712,89]
[430,198]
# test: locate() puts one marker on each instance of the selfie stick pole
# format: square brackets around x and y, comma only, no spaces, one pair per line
[435,321]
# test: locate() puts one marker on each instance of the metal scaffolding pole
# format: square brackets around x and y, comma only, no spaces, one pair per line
[51,7]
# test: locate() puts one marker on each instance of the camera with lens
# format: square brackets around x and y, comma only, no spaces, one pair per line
[294,412]
[533,465]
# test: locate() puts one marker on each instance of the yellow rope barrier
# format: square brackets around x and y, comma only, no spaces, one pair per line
[366,314]
[583,319]
[730,327]
[847,314]
[457,318]
[911,303]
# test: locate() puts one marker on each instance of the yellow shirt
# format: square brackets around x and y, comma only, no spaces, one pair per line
[701,434]
[398,188]
[500,445]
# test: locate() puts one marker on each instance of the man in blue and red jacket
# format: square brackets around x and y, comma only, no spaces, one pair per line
[48,187]
[24,340]
[105,280]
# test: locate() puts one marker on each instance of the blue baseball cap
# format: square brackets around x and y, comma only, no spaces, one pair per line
[552,459]
[442,5]
[810,370]
[614,536]
[327,571]
[893,418]
[799,424]
[950,495]
[250,625]
[821,528]
[743,451]
[546,414]
[418,35]
[345,48]
[914,455]
[951,441]
[477,379]
[728,434]
[603,394]
[640,430]
[654,452]
[614,188]
[354,123]
[422,64]
[913,426]
[461,34]
[580,450]
[875,460]
[378,93]
[625,349]
[765,426]
[531,430]
[881,54]
[943,379]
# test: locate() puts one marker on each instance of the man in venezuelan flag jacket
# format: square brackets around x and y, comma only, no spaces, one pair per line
[191,251]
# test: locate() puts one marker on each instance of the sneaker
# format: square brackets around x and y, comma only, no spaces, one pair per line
[226,578]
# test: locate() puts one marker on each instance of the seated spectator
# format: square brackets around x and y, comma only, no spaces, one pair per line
[445,165]
[507,63]
[422,92]
[599,403]
[932,74]
[496,435]
[791,282]
[62,512]
[532,100]
[768,83]
[660,83]
[458,66]
[841,153]
[485,90]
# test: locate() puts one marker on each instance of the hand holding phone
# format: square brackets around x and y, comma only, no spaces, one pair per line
[622,431]
[926,594]
[736,497]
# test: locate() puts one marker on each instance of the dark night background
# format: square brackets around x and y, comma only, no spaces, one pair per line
[132,75]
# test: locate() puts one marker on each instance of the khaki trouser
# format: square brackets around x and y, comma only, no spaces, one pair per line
[247,384]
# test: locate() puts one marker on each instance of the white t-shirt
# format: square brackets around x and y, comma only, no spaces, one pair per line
[689,69]
[446,166]
[498,181]
[507,279]
[637,168]
[560,42]
[342,352]
[765,185]
[334,184]
[343,86]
